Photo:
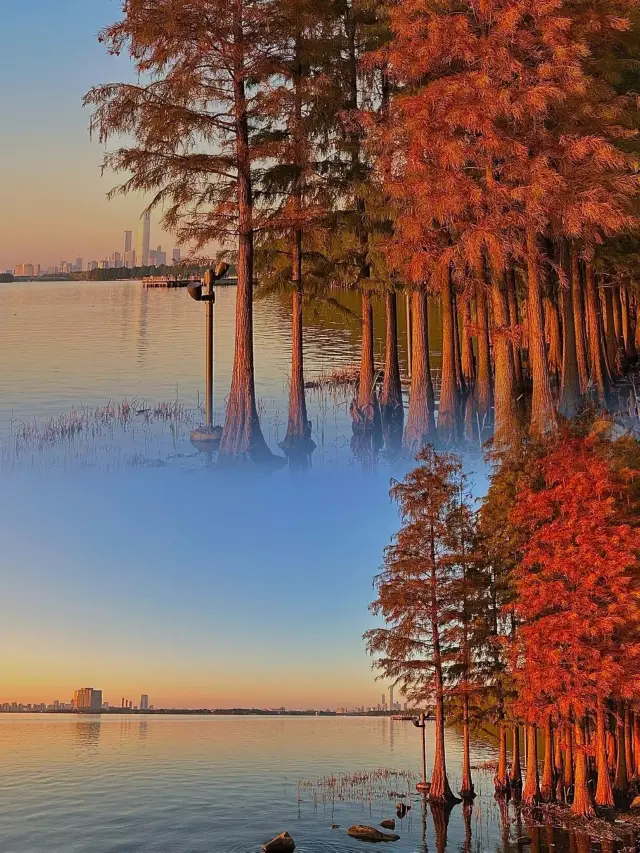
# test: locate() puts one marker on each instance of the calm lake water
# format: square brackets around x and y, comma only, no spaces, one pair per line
[82,344]
[112,784]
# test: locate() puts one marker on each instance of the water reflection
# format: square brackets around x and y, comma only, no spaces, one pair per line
[86,732]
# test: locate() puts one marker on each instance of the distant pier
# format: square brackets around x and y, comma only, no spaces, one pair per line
[169,281]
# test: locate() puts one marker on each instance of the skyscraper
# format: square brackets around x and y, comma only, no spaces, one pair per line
[144,239]
[144,702]
[128,241]
[391,705]
[176,256]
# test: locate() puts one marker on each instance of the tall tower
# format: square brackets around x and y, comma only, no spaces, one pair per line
[128,241]
[144,240]
[391,706]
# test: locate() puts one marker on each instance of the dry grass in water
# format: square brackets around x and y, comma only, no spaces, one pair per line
[363,787]
[336,380]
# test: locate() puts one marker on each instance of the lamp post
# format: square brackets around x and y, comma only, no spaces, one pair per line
[423,786]
[205,293]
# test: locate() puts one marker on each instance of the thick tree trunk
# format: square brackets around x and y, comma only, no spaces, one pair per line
[506,418]
[421,426]
[627,327]
[531,790]
[543,415]
[582,803]
[391,404]
[460,381]
[365,411]
[568,759]
[609,327]
[597,367]
[628,739]
[514,320]
[546,785]
[604,791]
[449,402]
[554,337]
[466,791]
[558,765]
[298,437]
[621,784]
[515,777]
[466,346]
[636,745]
[242,435]
[570,392]
[617,313]
[501,780]
[577,293]
[483,388]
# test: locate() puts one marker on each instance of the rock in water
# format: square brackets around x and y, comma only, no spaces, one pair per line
[402,809]
[283,843]
[369,833]
[388,824]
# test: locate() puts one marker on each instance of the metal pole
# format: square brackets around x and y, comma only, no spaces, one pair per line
[209,279]
[424,750]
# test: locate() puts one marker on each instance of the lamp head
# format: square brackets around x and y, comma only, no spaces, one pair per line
[221,270]
[195,291]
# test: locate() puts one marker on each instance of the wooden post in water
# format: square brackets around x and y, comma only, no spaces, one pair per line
[423,786]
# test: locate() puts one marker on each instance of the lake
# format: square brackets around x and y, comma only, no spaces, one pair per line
[189,784]
[79,345]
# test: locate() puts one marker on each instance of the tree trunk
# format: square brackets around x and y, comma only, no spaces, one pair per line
[391,404]
[421,426]
[460,381]
[568,759]
[628,739]
[546,784]
[558,765]
[466,346]
[617,313]
[543,415]
[531,790]
[577,293]
[501,780]
[621,784]
[636,745]
[515,777]
[440,792]
[365,411]
[609,327]
[514,319]
[466,791]
[604,791]
[627,327]
[570,391]
[298,437]
[242,435]
[506,418]
[582,803]
[483,387]
[449,402]
[554,337]
[598,370]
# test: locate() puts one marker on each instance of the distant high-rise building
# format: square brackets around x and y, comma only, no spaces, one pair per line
[87,699]
[128,242]
[391,705]
[116,260]
[122,705]
[144,239]
[92,265]
[36,269]
[144,702]
[176,256]
[130,259]
[79,265]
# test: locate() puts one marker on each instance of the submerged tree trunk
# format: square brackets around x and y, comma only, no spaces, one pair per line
[568,758]
[501,780]
[365,411]
[604,791]
[582,803]
[531,790]
[543,415]
[506,419]
[577,294]
[449,401]
[515,777]
[546,785]
[391,398]
[621,784]
[466,791]
[421,425]
[242,435]
[598,370]
[298,437]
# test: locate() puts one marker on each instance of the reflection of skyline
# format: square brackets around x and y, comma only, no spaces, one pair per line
[86,732]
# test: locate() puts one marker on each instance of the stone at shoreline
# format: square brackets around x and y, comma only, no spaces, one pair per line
[370,833]
[282,843]
[635,804]
[388,824]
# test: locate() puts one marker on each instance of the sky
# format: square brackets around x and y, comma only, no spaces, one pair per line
[201,590]
[54,204]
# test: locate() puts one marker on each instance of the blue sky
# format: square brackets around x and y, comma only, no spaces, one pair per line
[49,169]
[203,589]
